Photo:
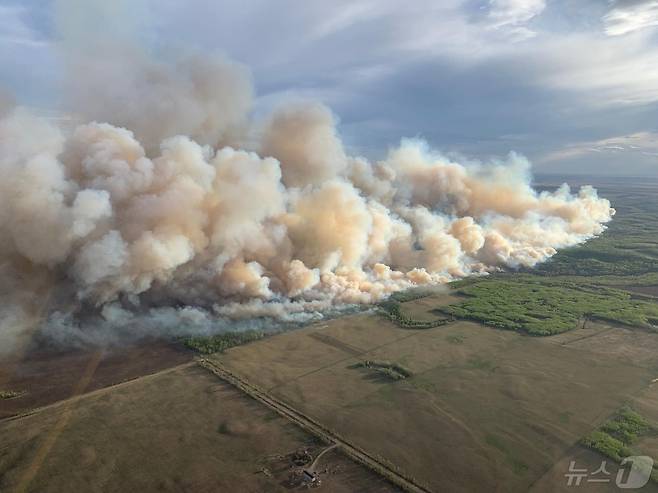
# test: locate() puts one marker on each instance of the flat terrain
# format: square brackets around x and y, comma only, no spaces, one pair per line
[475,404]
[646,403]
[178,430]
[475,411]
[44,377]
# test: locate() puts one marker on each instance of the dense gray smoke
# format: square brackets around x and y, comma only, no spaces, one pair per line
[145,202]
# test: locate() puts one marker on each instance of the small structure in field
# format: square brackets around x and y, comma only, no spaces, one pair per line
[310,478]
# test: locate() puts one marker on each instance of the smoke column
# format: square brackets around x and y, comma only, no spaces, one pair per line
[166,194]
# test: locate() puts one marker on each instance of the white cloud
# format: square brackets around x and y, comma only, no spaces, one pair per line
[605,71]
[511,15]
[343,18]
[645,143]
[630,16]
[391,71]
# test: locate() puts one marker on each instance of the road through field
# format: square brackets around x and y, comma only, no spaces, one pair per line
[361,456]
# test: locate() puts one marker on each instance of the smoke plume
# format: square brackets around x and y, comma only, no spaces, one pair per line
[166,195]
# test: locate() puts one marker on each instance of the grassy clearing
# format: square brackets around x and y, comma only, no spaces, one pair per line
[221,342]
[539,306]
[393,371]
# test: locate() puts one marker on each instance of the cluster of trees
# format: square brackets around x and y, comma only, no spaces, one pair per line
[607,445]
[599,262]
[392,310]
[221,342]
[627,425]
[545,306]
[614,437]
[410,295]
[393,371]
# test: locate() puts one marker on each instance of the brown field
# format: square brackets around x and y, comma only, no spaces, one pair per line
[178,430]
[484,407]
[46,376]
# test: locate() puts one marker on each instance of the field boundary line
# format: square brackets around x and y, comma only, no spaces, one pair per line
[342,360]
[588,336]
[103,390]
[60,425]
[308,424]
[335,343]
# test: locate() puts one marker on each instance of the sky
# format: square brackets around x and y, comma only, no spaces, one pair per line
[570,84]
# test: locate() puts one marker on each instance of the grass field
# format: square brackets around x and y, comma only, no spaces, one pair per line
[183,430]
[479,401]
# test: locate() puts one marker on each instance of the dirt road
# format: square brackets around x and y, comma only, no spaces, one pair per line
[308,424]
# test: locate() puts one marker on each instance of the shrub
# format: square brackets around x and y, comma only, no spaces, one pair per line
[393,371]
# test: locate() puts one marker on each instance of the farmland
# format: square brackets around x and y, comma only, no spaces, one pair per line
[492,383]
[481,400]
[211,438]
[476,394]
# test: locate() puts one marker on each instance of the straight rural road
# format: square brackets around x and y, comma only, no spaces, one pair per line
[308,424]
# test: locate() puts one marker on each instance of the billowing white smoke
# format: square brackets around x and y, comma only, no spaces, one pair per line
[206,99]
[293,225]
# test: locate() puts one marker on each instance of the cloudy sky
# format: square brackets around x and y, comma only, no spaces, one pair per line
[571,84]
